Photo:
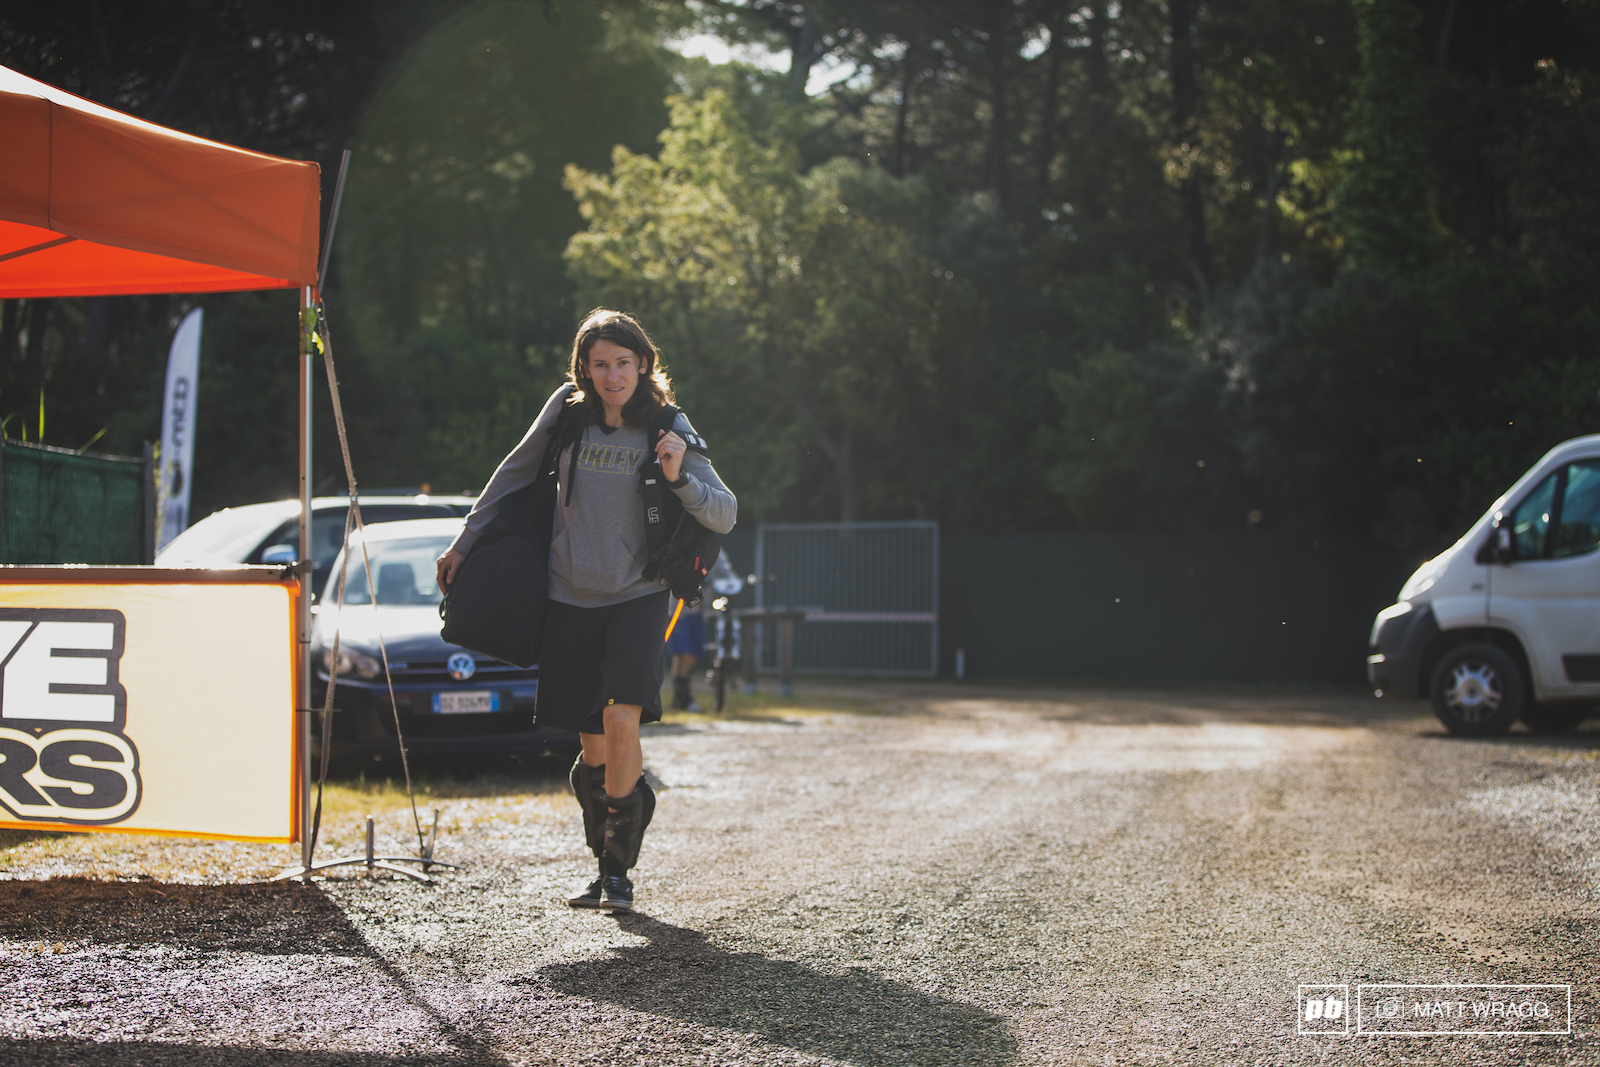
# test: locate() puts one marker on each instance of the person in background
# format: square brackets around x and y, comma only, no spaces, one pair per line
[686,645]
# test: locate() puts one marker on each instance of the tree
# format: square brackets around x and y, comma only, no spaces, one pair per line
[448,293]
[1307,246]
[1385,202]
[287,78]
[789,315]
[454,304]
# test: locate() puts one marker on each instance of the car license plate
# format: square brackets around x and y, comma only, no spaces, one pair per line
[467,703]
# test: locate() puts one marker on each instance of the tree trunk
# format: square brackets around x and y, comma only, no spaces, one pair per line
[1100,87]
[1185,104]
[802,55]
[1441,51]
[998,131]
[40,311]
[96,328]
[10,326]
[902,114]
[169,90]
[1100,92]
[1269,206]
[1047,111]
[844,473]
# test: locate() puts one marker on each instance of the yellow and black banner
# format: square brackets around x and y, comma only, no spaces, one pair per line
[147,700]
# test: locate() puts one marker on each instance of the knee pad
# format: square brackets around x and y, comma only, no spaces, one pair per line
[589,786]
[626,820]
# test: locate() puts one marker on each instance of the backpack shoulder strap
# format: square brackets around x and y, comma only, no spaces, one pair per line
[661,423]
[661,506]
[569,423]
[664,423]
[567,430]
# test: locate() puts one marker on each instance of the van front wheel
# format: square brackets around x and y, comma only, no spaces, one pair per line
[1478,691]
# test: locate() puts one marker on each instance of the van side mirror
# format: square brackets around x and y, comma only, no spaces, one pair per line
[1500,539]
[280,554]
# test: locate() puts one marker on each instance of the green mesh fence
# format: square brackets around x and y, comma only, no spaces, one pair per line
[58,506]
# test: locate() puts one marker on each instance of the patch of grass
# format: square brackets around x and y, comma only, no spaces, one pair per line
[763,706]
[14,838]
[385,790]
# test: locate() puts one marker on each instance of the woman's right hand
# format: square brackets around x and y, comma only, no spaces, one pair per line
[446,567]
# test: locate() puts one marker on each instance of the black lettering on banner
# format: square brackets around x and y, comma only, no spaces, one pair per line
[107,788]
[17,758]
[64,756]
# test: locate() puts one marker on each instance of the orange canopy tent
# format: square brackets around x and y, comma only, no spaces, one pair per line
[95,202]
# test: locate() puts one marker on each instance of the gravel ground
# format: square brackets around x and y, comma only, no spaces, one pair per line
[949,876]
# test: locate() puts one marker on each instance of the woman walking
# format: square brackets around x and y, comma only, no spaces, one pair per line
[600,671]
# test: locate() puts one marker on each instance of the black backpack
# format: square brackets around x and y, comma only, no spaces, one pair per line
[496,603]
[682,552]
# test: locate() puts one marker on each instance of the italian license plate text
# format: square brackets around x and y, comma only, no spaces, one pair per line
[467,703]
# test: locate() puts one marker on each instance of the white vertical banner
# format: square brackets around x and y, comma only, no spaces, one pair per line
[177,428]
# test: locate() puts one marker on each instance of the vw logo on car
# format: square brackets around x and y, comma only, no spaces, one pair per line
[461,666]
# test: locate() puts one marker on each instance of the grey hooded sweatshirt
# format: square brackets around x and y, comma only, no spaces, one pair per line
[597,548]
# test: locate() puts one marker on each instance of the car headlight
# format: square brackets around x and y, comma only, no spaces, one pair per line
[352,662]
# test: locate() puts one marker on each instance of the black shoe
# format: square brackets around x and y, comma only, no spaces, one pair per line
[589,898]
[618,893]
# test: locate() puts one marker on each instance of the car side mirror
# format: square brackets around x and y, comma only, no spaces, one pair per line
[280,554]
[1500,539]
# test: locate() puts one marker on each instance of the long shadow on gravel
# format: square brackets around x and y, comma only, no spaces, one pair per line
[856,1017]
[263,919]
[269,919]
[84,1053]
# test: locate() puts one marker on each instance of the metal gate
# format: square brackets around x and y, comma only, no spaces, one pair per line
[870,591]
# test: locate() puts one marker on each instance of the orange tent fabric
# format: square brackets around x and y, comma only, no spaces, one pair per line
[94,202]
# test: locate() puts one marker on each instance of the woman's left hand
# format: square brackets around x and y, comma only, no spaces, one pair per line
[670,450]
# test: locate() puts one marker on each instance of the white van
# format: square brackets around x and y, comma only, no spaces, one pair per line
[1505,624]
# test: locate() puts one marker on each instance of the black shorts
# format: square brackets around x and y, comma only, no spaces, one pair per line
[593,657]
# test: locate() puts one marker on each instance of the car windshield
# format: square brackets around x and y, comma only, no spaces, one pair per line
[404,568]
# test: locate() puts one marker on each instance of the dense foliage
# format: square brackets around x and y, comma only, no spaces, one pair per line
[1150,265]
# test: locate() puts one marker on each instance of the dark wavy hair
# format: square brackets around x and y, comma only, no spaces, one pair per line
[654,389]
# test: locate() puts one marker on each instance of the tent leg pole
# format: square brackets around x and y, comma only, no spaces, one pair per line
[303,720]
[303,629]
